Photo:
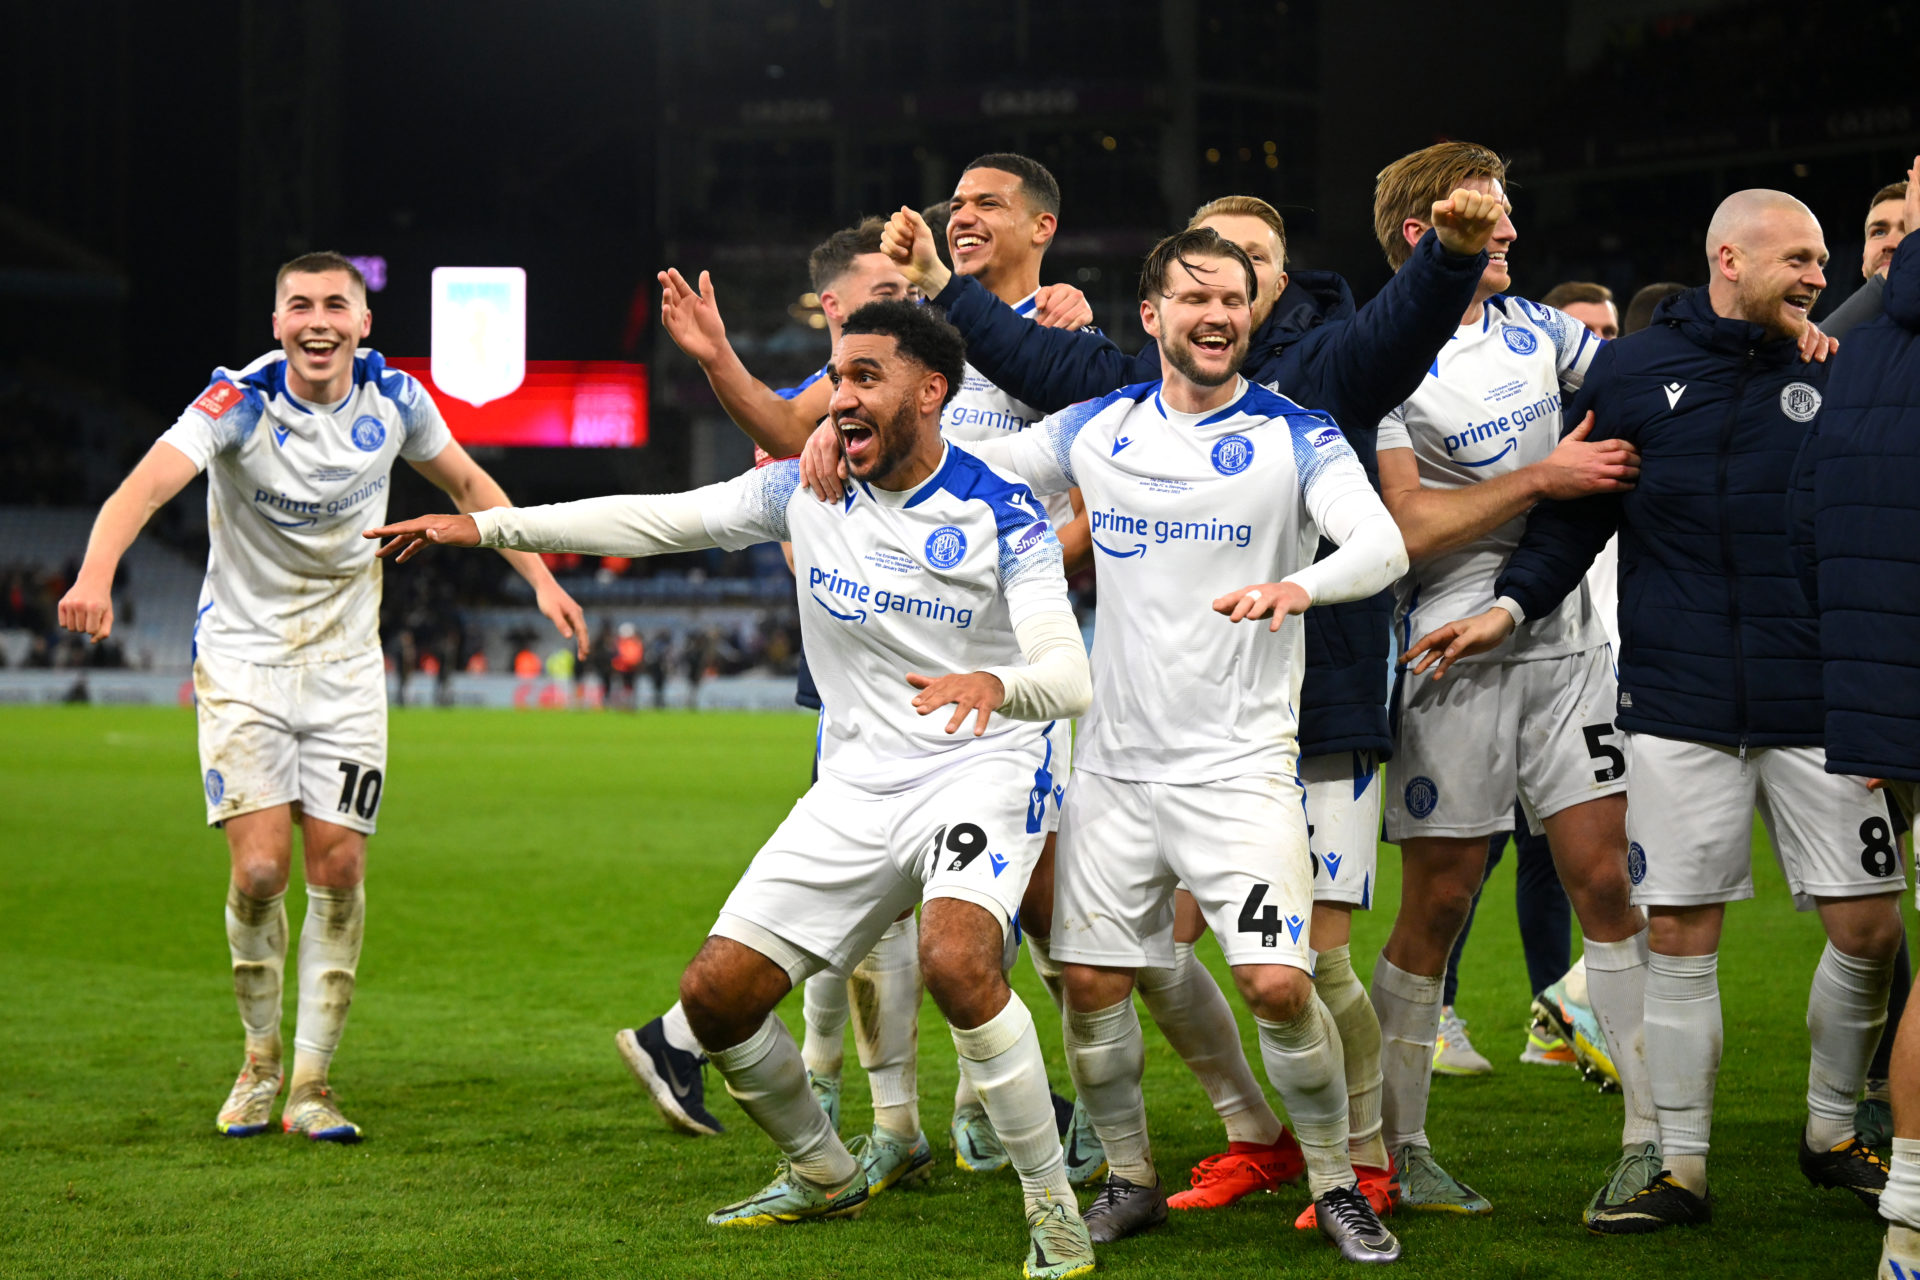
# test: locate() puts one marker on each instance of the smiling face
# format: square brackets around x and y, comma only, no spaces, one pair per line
[873,277]
[1202,319]
[991,229]
[1886,228]
[319,318]
[884,405]
[1776,270]
[1262,248]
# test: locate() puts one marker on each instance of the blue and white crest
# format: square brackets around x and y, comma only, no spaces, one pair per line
[216,786]
[1232,455]
[1520,341]
[1636,862]
[1422,796]
[369,433]
[946,547]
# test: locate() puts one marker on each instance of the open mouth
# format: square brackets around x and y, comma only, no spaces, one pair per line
[1497,257]
[1215,343]
[856,438]
[969,242]
[319,348]
[1799,303]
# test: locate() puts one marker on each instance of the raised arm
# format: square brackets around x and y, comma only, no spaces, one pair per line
[1045,367]
[88,604]
[778,424]
[1377,359]
[454,472]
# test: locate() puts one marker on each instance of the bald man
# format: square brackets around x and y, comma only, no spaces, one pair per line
[1720,689]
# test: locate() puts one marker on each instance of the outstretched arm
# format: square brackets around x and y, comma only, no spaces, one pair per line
[776,423]
[88,604]
[454,472]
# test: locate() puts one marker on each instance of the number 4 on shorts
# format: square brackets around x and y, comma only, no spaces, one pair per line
[1254,920]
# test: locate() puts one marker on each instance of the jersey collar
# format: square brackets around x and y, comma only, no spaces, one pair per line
[1194,421]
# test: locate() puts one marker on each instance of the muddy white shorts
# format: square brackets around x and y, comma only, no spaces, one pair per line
[1239,846]
[1465,745]
[315,733]
[1690,824]
[847,862]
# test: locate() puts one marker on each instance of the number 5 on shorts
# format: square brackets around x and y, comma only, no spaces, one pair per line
[1616,760]
[360,790]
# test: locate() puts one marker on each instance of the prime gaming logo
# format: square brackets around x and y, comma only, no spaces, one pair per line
[1161,532]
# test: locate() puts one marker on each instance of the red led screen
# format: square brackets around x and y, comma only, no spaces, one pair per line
[588,404]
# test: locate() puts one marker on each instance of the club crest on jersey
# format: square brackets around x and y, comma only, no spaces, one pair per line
[1422,797]
[1519,341]
[369,433]
[1232,455]
[218,398]
[1799,401]
[216,786]
[946,547]
[1636,862]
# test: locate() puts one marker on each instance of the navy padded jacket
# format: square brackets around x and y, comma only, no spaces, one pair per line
[1717,641]
[1856,508]
[1318,350]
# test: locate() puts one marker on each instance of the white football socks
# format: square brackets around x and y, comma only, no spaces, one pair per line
[1408,1005]
[673,1025]
[329,957]
[1617,982]
[1304,1066]
[1049,970]
[1002,1058]
[257,938]
[1574,982]
[1683,1036]
[1106,1056]
[1340,989]
[823,1010]
[885,990]
[1846,1010]
[1900,1202]
[1193,1014]
[766,1077]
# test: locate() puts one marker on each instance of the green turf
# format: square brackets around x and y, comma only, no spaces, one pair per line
[537,883]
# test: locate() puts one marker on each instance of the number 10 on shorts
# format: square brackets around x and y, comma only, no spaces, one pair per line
[359,790]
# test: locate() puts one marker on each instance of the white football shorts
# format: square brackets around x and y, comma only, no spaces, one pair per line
[847,862]
[1343,824]
[1059,768]
[1690,824]
[1466,744]
[314,733]
[1239,846]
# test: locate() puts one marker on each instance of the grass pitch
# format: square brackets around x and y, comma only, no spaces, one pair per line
[537,883]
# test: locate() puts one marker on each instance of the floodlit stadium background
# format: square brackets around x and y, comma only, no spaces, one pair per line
[161,161]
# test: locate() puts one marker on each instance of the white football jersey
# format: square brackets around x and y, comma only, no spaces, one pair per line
[291,487]
[931,581]
[1491,404]
[1185,508]
[982,411]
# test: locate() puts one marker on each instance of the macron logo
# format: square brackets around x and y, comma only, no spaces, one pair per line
[1119,444]
[1674,391]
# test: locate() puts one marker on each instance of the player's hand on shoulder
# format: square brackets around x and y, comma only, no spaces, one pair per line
[409,536]
[692,317]
[823,467]
[1275,599]
[1816,346]
[1579,466]
[975,693]
[1447,645]
[564,612]
[1061,306]
[908,240]
[1465,221]
[88,608]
